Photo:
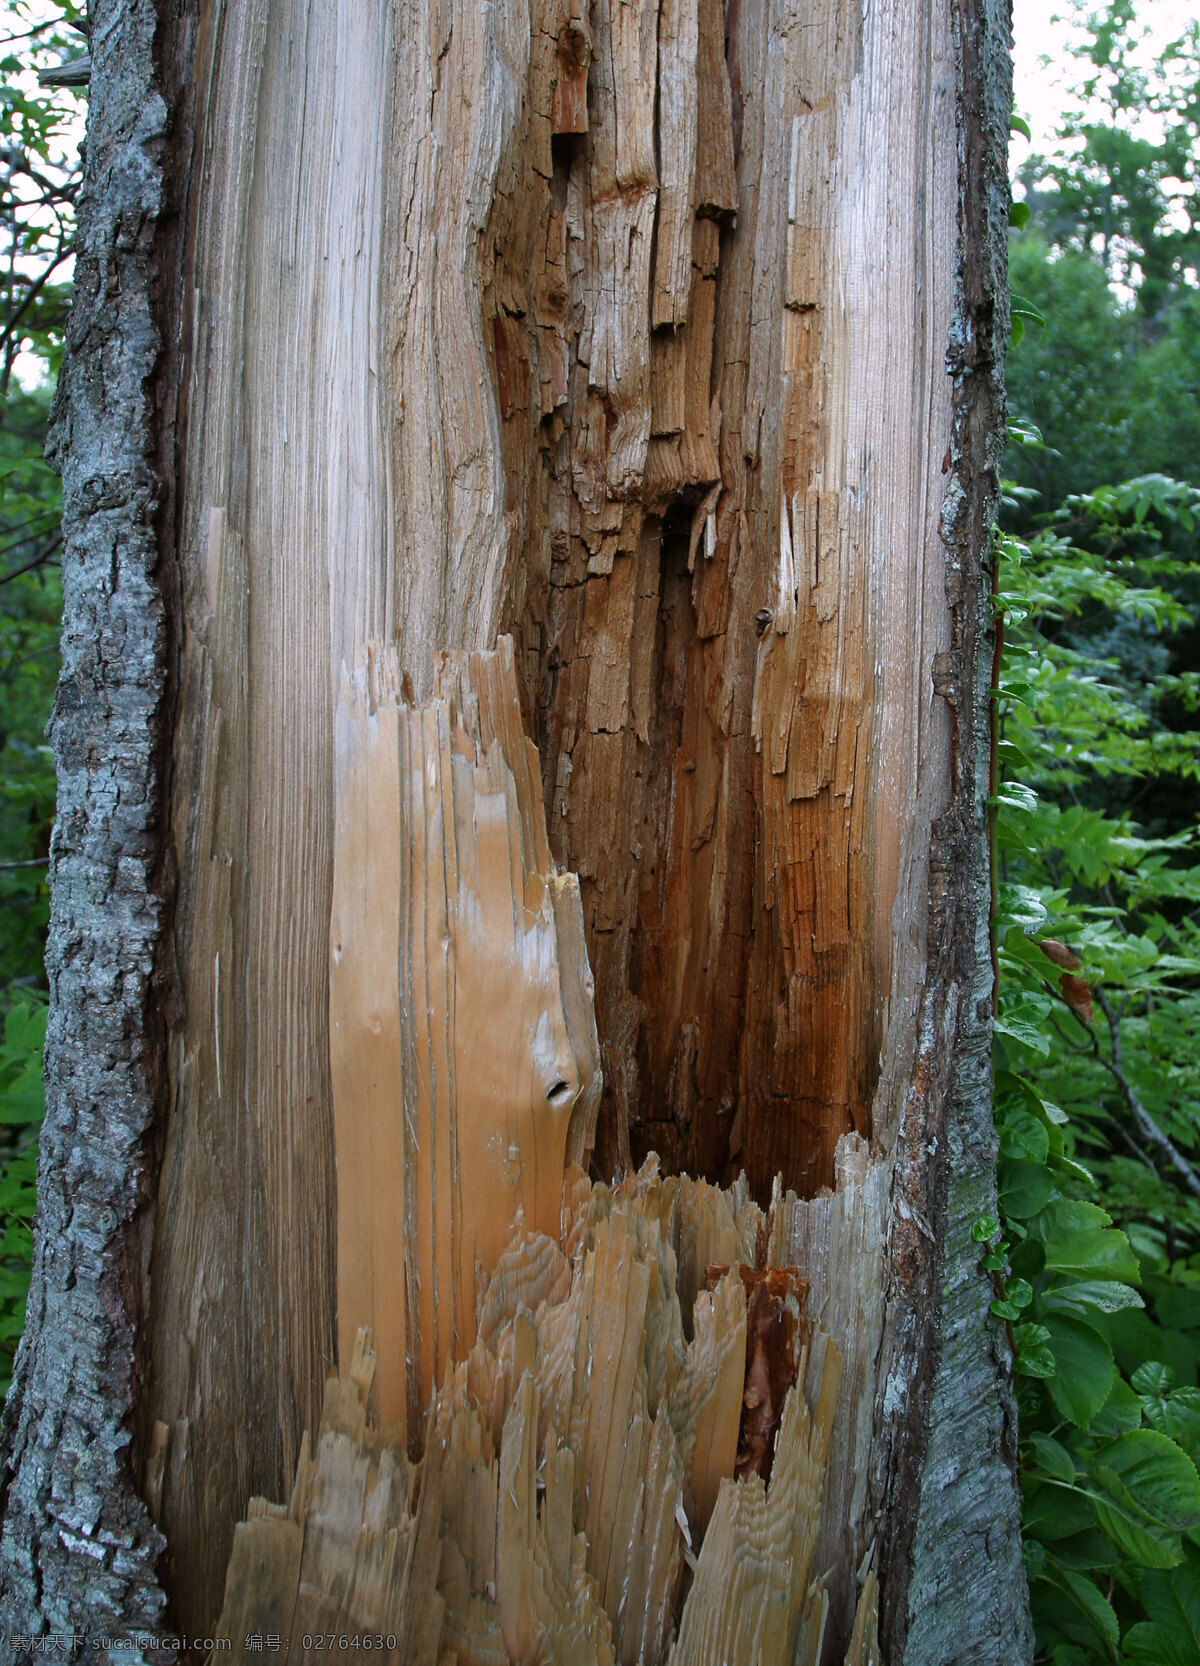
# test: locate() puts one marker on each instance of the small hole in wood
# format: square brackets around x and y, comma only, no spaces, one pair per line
[558,1092]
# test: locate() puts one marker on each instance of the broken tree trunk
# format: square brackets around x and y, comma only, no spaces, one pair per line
[666,339]
[527,1329]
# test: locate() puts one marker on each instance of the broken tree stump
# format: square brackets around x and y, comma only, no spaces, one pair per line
[668,337]
[576,1499]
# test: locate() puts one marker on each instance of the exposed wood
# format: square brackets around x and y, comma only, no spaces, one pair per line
[762,486]
[463,1047]
[864,1640]
[677,118]
[839,1241]
[529,318]
[637,1350]
[628,499]
[576,1455]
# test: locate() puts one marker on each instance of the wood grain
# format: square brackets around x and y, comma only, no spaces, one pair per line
[565,326]
[462,1040]
[735,614]
[578,1456]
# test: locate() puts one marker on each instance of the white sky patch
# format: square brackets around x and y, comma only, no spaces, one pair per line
[1046,76]
[1045,73]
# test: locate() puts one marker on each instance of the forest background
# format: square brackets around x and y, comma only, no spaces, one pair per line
[1095,1257]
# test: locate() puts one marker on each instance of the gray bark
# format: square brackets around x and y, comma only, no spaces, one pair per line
[78,1546]
[957,1590]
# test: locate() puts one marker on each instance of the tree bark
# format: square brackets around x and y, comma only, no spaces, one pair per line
[670,343]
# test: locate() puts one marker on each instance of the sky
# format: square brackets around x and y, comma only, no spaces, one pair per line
[1042,67]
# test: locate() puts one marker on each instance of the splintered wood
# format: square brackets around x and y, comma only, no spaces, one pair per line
[463,1045]
[621,326]
[576,1501]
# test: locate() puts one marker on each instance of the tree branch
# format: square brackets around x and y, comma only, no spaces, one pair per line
[1075,1046]
[32,293]
[42,556]
[1143,1121]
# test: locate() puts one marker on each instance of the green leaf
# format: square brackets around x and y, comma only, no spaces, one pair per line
[1177,1416]
[1121,1411]
[1159,1477]
[1095,1610]
[1014,795]
[1022,432]
[1023,308]
[1018,215]
[22,1093]
[1087,1552]
[1078,1238]
[1034,1357]
[1153,1377]
[1101,1295]
[1171,1599]
[1085,1368]
[1177,1307]
[1025,1188]
[1136,1338]
[1024,1018]
[1020,905]
[1028,1258]
[1055,1511]
[1024,1136]
[1052,1456]
[1136,1536]
[1018,124]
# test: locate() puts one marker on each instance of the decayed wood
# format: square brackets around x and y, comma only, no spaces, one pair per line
[672,407]
[463,1044]
[449,371]
[576,1461]
[742,750]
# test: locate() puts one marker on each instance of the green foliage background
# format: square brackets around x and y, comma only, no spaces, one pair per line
[38,177]
[1096,1259]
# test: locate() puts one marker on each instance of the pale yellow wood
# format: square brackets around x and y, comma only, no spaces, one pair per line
[838,1240]
[464,1056]
[864,1640]
[752,1578]
[709,1398]
[260,1585]
[572,1466]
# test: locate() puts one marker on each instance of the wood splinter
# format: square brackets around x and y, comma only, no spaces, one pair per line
[576,1461]
[625,1457]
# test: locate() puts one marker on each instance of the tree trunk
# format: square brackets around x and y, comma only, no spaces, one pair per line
[670,344]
